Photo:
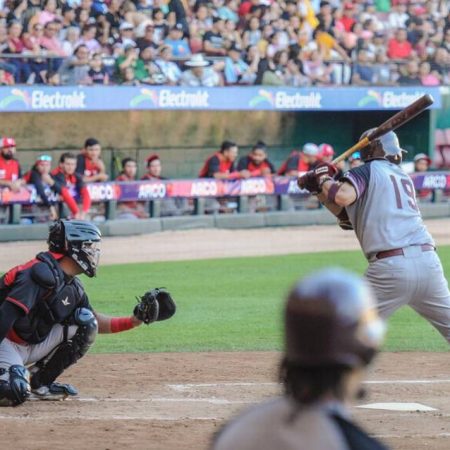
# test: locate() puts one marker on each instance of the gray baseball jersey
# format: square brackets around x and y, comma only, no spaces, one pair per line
[385,216]
[280,424]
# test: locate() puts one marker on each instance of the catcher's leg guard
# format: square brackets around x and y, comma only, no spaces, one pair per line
[17,389]
[68,352]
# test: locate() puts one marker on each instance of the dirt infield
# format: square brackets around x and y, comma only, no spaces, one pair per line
[177,401]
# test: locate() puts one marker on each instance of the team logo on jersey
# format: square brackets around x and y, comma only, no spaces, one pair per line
[65,301]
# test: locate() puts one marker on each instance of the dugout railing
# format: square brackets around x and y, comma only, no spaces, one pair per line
[196,197]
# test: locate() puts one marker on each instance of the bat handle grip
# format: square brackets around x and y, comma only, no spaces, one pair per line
[358,146]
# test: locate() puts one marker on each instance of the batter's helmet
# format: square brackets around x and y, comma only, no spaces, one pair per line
[331,319]
[386,146]
[77,239]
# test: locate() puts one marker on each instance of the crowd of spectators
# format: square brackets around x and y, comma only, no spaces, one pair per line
[225,42]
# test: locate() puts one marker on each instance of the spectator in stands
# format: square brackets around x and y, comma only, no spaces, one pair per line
[428,78]
[6,78]
[89,163]
[10,172]
[315,69]
[132,209]
[399,47]
[410,74]
[52,78]
[127,37]
[147,40]
[363,71]
[220,165]
[160,24]
[71,41]
[40,177]
[237,71]
[97,73]
[326,154]
[154,168]
[17,47]
[398,17]
[130,60]
[169,69]
[176,41]
[199,73]
[88,38]
[256,162]
[355,160]
[70,184]
[300,162]
[75,70]
[213,41]
[51,42]
[422,163]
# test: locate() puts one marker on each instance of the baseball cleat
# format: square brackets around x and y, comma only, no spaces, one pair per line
[53,392]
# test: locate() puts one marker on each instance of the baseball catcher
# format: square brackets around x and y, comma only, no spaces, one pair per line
[46,320]
[378,201]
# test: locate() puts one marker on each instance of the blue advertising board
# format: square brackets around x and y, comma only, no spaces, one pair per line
[123,98]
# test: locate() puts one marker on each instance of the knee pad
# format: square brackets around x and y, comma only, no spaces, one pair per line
[68,352]
[17,389]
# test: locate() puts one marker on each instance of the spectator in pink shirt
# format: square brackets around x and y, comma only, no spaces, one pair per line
[50,40]
[428,78]
[48,14]
[16,46]
[88,38]
[399,47]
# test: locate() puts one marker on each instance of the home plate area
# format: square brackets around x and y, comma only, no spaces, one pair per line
[170,401]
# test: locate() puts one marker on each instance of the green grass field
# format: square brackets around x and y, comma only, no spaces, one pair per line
[232,304]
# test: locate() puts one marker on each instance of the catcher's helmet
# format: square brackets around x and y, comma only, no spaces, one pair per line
[77,239]
[330,319]
[386,146]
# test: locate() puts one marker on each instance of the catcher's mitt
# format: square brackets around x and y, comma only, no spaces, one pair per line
[156,304]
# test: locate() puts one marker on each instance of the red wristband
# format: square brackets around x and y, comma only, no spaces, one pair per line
[332,192]
[119,324]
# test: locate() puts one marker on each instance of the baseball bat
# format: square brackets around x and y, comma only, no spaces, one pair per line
[397,120]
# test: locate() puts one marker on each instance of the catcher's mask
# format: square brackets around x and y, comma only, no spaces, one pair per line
[77,239]
[330,319]
[386,146]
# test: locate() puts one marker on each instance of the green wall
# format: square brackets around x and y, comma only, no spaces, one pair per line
[185,138]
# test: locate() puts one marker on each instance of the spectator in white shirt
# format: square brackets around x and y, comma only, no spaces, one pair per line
[199,73]
[170,69]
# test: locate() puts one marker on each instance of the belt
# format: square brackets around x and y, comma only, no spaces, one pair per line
[399,251]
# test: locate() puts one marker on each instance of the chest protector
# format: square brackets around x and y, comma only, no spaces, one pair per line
[56,306]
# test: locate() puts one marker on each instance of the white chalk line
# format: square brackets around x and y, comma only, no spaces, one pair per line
[412,436]
[212,400]
[187,386]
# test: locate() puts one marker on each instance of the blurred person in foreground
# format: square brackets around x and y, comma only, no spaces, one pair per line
[422,163]
[332,332]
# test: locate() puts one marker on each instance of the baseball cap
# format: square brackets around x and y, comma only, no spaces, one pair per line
[8,142]
[326,150]
[310,149]
[151,158]
[420,156]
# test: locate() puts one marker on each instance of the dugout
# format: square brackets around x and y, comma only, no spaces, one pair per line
[184,134]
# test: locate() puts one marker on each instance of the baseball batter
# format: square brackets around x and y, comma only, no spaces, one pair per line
[332,332]
[46,320]
[377,200]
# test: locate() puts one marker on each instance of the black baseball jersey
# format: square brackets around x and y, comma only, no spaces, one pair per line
[43,296]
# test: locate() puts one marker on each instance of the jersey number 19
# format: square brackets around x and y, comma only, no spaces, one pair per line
[408,189]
